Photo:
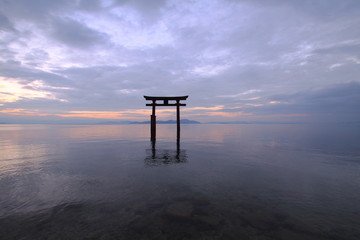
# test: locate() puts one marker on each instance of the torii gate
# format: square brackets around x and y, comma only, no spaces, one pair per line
[165,103]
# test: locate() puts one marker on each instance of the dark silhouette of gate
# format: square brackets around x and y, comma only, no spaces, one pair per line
[166,101]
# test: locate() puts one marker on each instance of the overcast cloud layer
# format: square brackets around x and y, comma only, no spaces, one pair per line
[238,60]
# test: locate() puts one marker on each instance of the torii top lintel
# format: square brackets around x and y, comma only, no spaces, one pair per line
[166,100]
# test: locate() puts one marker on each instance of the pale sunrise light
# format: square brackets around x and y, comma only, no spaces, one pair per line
[12,90]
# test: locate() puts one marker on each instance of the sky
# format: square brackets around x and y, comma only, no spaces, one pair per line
[88,61]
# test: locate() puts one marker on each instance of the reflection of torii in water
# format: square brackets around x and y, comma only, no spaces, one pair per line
[176,102]
[156,157]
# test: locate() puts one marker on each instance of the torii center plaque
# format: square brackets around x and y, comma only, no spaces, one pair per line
[164,101]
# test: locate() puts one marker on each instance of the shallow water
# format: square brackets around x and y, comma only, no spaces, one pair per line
[219,182]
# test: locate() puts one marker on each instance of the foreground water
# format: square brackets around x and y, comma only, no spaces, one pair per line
[220,182]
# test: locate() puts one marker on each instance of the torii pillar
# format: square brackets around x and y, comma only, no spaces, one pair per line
[175,102]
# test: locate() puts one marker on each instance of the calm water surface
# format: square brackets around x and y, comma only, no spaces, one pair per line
[220,182]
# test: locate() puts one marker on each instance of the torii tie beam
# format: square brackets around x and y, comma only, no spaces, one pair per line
[167,101]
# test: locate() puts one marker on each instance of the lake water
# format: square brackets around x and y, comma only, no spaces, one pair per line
[219,182]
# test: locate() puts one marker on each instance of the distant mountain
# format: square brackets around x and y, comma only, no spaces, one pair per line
[183,121]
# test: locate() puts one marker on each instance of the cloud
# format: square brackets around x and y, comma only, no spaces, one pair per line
[150,10]
[242,94]
[321,9]
[76,34]
[347,49]
[25,74]
[253,58]
[5,24]
[336,102]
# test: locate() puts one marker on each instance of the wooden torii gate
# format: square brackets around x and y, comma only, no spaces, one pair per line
[166,100]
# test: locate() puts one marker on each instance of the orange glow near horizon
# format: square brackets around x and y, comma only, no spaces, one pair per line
[116,115]
[137,114]
[125,114]
[141,114]
[23,112]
